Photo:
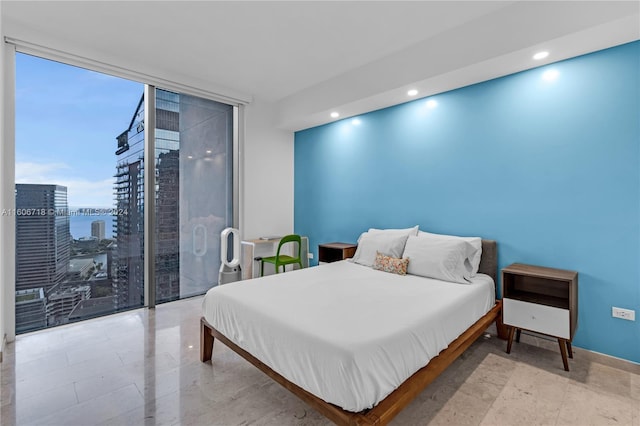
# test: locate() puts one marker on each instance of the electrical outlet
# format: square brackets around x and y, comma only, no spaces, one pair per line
[627,314]
[310,255]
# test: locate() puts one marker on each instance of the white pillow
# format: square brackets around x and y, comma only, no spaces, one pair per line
[441,258]
[408,231]
[371,242]
[474,256]
[391,231]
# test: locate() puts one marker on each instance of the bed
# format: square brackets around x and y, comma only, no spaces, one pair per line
[355,343]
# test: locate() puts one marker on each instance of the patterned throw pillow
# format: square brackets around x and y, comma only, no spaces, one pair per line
[390,264]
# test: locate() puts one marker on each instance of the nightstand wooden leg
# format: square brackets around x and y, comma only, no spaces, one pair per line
[518,335]
[569,350]
[563,351]
[511,332]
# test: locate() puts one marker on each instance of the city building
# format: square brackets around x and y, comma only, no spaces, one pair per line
[87,243]
[98,229]
[43,245]
[90,308]
[42,236]
[167,226]
[31,307]
[61,301]
[80,268]
[129,197]
[128,291]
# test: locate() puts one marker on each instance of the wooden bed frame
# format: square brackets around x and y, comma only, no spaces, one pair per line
[389,407]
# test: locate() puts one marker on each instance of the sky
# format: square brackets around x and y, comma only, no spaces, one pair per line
[67,121]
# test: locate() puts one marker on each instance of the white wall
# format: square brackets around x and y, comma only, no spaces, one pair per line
[267,180]
[7,190]
[2,126]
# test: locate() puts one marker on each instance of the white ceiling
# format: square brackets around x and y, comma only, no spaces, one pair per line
[310,58]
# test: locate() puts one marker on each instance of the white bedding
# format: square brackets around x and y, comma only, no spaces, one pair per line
[345,332]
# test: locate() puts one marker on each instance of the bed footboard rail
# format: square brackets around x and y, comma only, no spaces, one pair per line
[389,407]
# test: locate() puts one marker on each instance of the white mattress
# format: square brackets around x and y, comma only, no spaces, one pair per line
[345,332]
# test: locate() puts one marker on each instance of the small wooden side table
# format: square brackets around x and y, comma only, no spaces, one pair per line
[333,252]
[543,300]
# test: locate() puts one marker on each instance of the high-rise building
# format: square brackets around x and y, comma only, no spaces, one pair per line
[128,275]
[167,219]
[42,236]
[30,310]
[43,249]
[60,302]
[98,229]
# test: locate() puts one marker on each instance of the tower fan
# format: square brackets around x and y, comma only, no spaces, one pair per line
[229,269]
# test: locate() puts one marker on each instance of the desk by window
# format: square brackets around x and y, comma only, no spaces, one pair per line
[259,247]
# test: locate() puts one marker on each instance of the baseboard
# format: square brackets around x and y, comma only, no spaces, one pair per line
[548,342]
[612,361]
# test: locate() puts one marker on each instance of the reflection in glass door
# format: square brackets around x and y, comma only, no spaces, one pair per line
[194,192]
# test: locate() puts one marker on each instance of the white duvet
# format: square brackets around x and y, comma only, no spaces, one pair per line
[345,332]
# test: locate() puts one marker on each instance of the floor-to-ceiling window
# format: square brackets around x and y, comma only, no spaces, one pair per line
[69,265]
[81,167]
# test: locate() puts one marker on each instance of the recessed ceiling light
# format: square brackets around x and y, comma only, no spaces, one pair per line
[335,115]
[540,55]
[412,92]
[208,151]
[189,156]
[432,103]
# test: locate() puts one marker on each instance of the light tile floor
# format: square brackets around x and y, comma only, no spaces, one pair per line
[142,368]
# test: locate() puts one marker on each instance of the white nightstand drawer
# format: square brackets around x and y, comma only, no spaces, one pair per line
[541,318]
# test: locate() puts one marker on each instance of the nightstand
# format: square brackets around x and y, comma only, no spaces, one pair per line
[543,300]
[332,252]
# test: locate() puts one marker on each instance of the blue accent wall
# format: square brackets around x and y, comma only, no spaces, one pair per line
[548,168]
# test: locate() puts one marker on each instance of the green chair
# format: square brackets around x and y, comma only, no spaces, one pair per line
[282,259]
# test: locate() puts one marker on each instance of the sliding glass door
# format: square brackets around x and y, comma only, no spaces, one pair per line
[194,192]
